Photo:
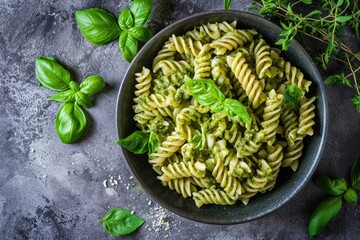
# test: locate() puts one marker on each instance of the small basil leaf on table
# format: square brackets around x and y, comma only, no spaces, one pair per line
[126,19]
[74,86]
[335,186]
[70,122]
[355,175]
[292,95]
[137,142]
[153,143]
[92,85]
[141,10]
[51,74]
[351,196]
[119,221]
[128,46]
[323,213]
[83,99]
[197,141]
[97,25]
[64,96]
[142,34]
[234,108]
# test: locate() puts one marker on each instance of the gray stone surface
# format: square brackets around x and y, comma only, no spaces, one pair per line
[50,190]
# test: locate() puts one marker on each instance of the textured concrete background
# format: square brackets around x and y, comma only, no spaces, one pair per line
[49,190]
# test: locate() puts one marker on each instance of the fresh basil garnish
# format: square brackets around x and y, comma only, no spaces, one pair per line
[142,34]
[137,142]
[234,108]
[153,143]
[64,96]
[119,221]
[51,74]
[197,141]
[128,46]
[141,10]
[292,96]
[70,122]
[83,99]
[355,175]
[334,186]
[74,86]
[206,93]
[92,85]
[351,196]
[227,4]
[97,25]
[323,213]
[126,19]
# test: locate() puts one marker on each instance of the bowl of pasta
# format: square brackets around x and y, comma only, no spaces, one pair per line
[216,123]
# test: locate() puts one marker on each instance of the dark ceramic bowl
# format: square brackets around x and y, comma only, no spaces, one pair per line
[288,184]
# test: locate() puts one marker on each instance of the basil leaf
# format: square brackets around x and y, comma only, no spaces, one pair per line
[119,221]
[137,142]
[83,99]
[141,10]
[51,74]
[351,196]
[206,93]
[355,175]
[142,34]
[153,143]
[292,95]
[128,46]
[197,141]
[227,4]
[92,85]
[323,213]
[234,108]
[126,19]
[335,186]
[64,96]
[97,25]
[74,86]
[70,123]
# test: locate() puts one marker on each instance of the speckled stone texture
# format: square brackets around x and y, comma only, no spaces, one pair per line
[49,190]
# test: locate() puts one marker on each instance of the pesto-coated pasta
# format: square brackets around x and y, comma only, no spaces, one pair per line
[209,155]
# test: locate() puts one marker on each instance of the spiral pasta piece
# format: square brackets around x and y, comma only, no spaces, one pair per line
[295,76]
[307,114]
[210,31]
[248,80]
[212,196]
[184,45]
[203,63]
[219,75]
[164,54]
[169,67]
[292,155]
[143,80]
[290,122]
[182,186]
[263,61]
[183,169]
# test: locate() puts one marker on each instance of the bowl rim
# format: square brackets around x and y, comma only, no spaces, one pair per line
[316,158]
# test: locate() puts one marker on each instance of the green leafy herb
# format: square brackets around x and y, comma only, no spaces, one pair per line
[142,34]
[227,4]
[197,141]
[356,101]
[355,175]
[74,86]
[70,122]
[128,46]
[97,25]
[92,85]
[234,108]
[334,186]
[323,213]
[153,143]
[126,19]
[137,142]
[141,9]
[351,196]
[64,96]
[336,79]
[119,221]
[292,96]
[83,99]
[51,74]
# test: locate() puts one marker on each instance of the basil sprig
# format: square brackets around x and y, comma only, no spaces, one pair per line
[70,121]
[139,142]
[119,221]
[206,93]
[292,96]
[101,27]
[328,208]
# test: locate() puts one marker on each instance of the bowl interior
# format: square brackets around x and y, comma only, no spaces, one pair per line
[288,182]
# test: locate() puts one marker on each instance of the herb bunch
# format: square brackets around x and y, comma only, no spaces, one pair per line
[327,26]
[101,27]
[337,187]
[70,121]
